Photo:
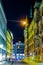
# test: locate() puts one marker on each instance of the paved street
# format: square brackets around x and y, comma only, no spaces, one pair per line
[24,64]
[15,63]
[20,64]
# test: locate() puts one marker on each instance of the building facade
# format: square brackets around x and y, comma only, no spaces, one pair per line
[26,37]
[25,40]
[34,34]
[31,38]
[18,51]
[3,29]
[41,27]
[38,29]
[9,44]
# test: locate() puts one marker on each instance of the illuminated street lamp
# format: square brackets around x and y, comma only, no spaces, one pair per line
[24,22]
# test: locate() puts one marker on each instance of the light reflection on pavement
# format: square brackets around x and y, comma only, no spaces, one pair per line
[15,63]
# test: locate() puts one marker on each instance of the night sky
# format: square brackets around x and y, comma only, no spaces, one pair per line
[16,10]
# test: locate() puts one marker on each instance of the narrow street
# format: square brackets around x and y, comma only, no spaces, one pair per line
[15,63]
[21,32]
[20,64]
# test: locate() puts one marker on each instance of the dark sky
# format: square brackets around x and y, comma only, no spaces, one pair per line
[15,10]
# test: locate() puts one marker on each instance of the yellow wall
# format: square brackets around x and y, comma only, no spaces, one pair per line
[31,29]
[9,43]
[31,36]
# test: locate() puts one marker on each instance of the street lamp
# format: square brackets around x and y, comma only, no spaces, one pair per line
[24,22]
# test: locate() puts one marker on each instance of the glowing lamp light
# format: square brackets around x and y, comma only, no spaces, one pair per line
[24,22]
[1,45]
[30,53]
[20,54]
[17,57]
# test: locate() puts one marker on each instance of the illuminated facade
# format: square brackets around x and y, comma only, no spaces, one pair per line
[19,50]
[31,38]
[3,29]
[36,27]
[41,28]
[38,38]
[33,35]
[9,44]
[26,40]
